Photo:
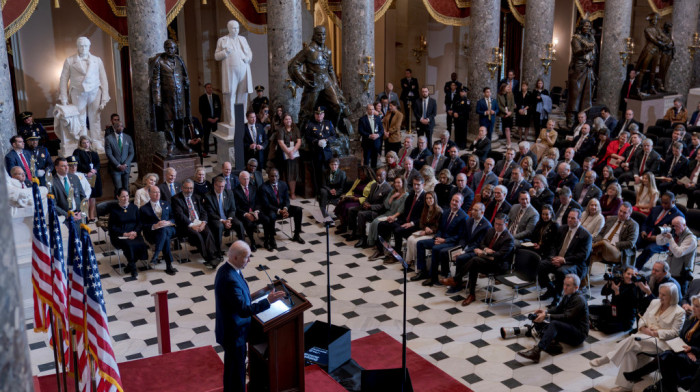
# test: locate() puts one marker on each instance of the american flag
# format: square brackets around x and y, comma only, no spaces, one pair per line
[100,342]
[59,301]
[77,303]
[41,264]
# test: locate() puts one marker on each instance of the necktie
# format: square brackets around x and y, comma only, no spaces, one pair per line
[661,216]
[481,183]
[119,141]
[253,134]
[614,231]
[425,108]
[689,334]
[371,123]
[560,212]
[26,166]
[221,206]
[565,245]
[211,105]
[449,166]
[495,211]
[514,224]
[190,206]
[415,199]
[503,171]
[670,168]
[277,195]
[449,219]
[634,149]
[641,167]
[493,240]
[580,142]
[228,182]
[157,210]
[515,186]
[172,189]
[629,88]
[436,158]
[65,184]
[583,194]
[247,197]
[624,127]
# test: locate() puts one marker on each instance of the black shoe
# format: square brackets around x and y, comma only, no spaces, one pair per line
[532,354]
[170,271]
[428,282]
[632,376]
[420,276]
[548,294]
[253,246]
[352,237]
[273,244]
[554,348]
[361,243]
[297,238]
[341,229]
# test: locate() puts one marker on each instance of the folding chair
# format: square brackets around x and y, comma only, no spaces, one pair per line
[523,274]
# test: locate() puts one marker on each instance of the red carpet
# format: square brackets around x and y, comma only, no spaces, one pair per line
[316,379]
[381,351]
[199,369]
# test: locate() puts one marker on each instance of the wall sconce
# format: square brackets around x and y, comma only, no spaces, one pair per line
[368,75]
[695,46]
[291,86]
[56,4]
[547,59]
[422,48]
[204,2]
[626,55]
[495,62]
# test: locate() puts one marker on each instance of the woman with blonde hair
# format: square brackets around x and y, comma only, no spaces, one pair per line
[548,136]
[592,219]
[647,194]
[612,200]
[429,221]
[528,170]
[444,188]
[428,175]
[392,165]
[141,197]
[393,204]
[202,186]
[471,168]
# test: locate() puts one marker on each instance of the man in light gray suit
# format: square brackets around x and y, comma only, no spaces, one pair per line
[63,182]
[120,152]
[522,217]
[616,241]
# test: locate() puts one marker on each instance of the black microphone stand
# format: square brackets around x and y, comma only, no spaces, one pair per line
[657,380]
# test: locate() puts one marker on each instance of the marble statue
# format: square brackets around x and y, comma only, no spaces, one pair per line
[88,90]
[581,82]
[236,81]
[170,97]
[66,123]
[657,43]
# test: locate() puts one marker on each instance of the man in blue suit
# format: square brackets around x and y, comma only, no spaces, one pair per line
[425,110]
[275,205]
[234,309]
[450,230]
[371,130]
[254,140]
[659,216]
[158,227]
[487,108]
[19,157]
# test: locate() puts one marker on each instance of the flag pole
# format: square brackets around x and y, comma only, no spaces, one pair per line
[75,361]
[92,373]
[63,357]
[55,354]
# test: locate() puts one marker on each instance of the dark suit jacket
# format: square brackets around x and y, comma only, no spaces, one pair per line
[504,246]
[12,160]
[447,89]
[573,310]
[679,170]
[430,113]
[449,100]
[498,168]
[261,138]
[245,204]
[468,195]
[417,209]
[693,118]
[233,307]
[256,178]
[593,193]
[232,178]
[489,212]
[165,192]
[205,109]
[515,87]
[513,197]
[559,182]
[472,238]
[633,91]
[457,166]
[557,205]
[453,232]
[211,205]
[420,157]
[611,123]
[481,148]
[652,163]
[587,147]
[546,197]
[407,87]
[377,194]
[338,182]
[579,247]
[61,196]
[621,124]
[149,217]
[650,225]
[365,131]
[269,202]
[481,107]
[491,178]
[438,166]
[182,213]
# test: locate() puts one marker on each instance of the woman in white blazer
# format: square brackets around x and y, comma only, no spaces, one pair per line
[661,322]
[592,219]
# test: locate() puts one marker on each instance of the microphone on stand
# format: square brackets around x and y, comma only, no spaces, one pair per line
[284,286]
[268,276]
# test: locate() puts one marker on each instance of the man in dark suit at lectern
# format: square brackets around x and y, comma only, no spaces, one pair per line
[234,309]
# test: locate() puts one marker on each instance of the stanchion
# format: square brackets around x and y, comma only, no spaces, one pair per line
[162,321]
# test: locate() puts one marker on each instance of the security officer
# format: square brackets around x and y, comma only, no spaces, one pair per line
[260,99]
[460,111]
[41,157]
[319,134]
[28,126]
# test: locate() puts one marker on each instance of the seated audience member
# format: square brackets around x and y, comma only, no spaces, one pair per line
[616,241]
[406,150]
[498,205]
[481,146]
[586,190]
[540,193]
[552,154]
[516,185]
[169,188]
[446,142]
[528,169]
[158,227]
[646,193]
[681,246]
[428,175]
[201,185]
[617,315]
[421,153]
[393,208]
[524,151]
[471,168]
[600,151]
[659,275]
[220,205]
[428,226]
[408,172]
[392,128]
[563,204]
[522,217]
[333,185]
[545,234]
[677,113]
[609,120]
[230,178]
[462,188]
[444,188]
[646,160]
[584,144]
[454,163]
[256,177]
[392,167]
[624,172]
[191,219]
[677,369]
[17,178]
[665,145]
[694,120]
[614,155]
[673,169]
[659,216]
[449,233]
[491,257]
[586,165]
[484,177]
[628,124]
[546,140]
[275,203]
[692,187]
[248,209]
[570,256]
[564,178]
[407,223]
[63,183]
[693,290]
[369,207]
[437,159]
[568,322]
[569,155]
[125,231]
[547,170]
[503,167]
[591,219]
[141,197]
[693,146]
[606,178]
[662,320]
[485,197]
[354,197]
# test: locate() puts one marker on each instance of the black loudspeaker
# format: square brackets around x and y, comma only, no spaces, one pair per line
[386,380]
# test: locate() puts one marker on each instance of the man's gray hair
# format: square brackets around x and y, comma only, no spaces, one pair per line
[575,278]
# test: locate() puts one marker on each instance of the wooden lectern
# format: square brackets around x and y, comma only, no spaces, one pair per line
[276,345]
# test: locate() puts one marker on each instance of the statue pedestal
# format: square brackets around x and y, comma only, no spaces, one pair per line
[693,100]
[649,109]
[184,164]
[229,140]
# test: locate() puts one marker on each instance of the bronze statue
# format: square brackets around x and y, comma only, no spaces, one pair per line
[667,53]
[581,84]
[170,97]
[657,52]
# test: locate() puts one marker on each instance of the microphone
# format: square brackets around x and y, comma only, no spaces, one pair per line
[268,276]
[284,286]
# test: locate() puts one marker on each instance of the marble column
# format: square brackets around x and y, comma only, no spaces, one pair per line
[481,43]
[539,28]
[685,22]
[284,40]
[611,72]
[15,367]
[147,32]
[358,43]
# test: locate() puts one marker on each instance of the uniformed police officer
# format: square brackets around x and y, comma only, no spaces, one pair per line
[319,134]
[460,111]
[28,126]
[41,157]
[260,99]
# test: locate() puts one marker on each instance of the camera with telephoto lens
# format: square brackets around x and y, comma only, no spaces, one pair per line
[511,332]
[613,276]
[639,278]
[664,230]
